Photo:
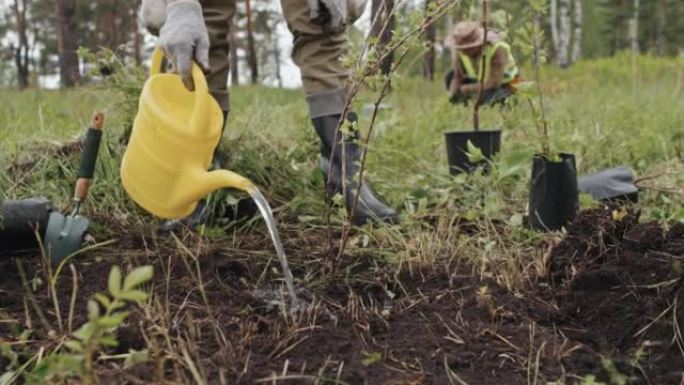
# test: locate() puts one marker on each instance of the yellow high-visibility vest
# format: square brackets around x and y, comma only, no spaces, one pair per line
[510,73]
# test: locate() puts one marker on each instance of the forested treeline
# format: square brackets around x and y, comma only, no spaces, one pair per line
[42,37]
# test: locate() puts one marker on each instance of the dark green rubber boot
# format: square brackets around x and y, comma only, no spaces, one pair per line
[369,206]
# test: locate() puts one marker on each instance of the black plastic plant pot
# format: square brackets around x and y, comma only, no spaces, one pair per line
[554,198]
[489,142]
[19,220]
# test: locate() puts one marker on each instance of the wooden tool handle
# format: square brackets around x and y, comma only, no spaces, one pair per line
[89,156]
[82,188]
[97,121]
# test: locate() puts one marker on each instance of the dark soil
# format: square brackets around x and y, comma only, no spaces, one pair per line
[616,286]
[613,288]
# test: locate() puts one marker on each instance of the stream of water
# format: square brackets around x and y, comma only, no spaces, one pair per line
[266,212]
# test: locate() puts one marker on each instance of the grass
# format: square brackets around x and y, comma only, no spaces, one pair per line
[592,109]
[597,111]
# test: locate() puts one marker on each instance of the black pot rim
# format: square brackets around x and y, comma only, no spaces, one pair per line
[472,132]
[543,157]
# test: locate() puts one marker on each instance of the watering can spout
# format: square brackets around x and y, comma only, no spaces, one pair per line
[227,179]
[175,132]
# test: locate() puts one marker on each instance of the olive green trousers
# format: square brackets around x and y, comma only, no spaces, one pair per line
[317,53]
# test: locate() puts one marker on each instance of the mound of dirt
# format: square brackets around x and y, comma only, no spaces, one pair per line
[613,289]
[616,286]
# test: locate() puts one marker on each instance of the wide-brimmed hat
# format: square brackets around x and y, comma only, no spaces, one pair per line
[468,34]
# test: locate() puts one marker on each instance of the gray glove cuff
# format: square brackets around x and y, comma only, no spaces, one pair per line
[153,15]
[174,9]
[172,2]
[608,184]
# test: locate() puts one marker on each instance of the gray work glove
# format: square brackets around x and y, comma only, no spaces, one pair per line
[608,184]
[184,38]
[153,15]
[333,15]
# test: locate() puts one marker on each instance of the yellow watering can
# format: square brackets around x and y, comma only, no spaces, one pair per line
[164,168]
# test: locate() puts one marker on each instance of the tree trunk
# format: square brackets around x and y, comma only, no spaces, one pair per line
[553,21]
[430,36]
[577,38]
[21,52]
[137,40]
[382,28]
[110,16]
[564,34]
[251,50]
[661,22]
[67,42]
[634,28]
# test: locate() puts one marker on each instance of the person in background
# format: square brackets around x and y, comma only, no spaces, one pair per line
[468,43]
[194,30]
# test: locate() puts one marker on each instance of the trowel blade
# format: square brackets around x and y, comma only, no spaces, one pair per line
[64,235]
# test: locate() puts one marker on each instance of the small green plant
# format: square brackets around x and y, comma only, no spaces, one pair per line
[370,358]
[530,38]
[474,153]
[125,78]
[105,316]
[616,378]
[14,367]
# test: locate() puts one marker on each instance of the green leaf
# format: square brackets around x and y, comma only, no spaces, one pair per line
[474,153]
[616,377]
[85,332]
[108,341]
[24,336]
[133,295]
[370,358]
[103,299]
[93,310]
[117,304]
[74,345]
[114,282]
[135,358]
[113,320]
[516,220]
[587,201]
[138,276]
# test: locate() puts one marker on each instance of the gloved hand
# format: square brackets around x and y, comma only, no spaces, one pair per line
[330,14]
[153,15]
[184,38]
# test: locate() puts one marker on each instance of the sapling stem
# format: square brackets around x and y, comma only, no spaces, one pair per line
[483,67]
[542,126]
[357,82]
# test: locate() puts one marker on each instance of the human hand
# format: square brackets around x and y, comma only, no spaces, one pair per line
[184,38]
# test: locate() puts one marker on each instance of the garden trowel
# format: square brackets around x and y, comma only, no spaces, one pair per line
[64,235]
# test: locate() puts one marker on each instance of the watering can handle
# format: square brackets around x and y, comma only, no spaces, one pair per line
[200,115]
